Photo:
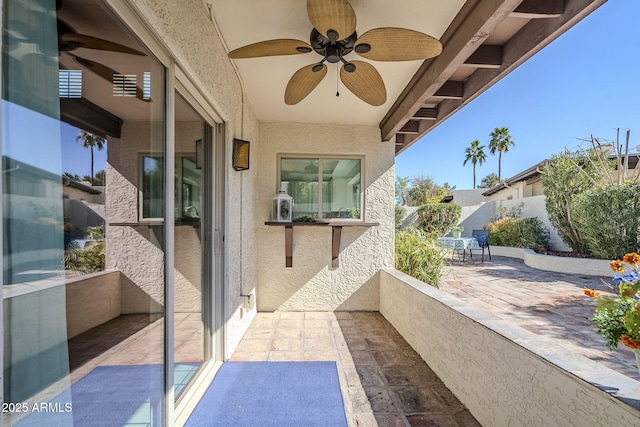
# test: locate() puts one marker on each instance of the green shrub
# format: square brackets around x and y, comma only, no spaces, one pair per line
[438,218]
[563,179]
[85,260]
[418,256]
[609,218]
[520,233]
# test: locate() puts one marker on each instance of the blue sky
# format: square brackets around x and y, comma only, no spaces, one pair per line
[584,83]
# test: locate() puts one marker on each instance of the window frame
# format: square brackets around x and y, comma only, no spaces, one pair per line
[320,158]
[177,189]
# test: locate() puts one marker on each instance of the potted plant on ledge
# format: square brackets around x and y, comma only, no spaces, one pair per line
[457,231]
[618,319]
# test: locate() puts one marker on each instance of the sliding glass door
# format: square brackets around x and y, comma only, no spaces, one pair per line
[192,255]
[111,223]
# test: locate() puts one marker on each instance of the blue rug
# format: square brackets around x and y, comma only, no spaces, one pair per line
[263,394]
[111,396]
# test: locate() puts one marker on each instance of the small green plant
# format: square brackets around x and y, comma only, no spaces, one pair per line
[90,258]
[95,233]
[418,256]
[520,233]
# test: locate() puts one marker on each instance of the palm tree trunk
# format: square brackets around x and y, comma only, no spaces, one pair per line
[92,180]
[474,176]
[499,166]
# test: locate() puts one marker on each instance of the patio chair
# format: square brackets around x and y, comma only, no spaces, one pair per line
[482,236]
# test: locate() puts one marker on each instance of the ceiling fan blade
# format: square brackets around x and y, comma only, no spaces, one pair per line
[70,41]
[302,83]
[336,15]
[365,83]
[397,44]
[106,73]
[271,48]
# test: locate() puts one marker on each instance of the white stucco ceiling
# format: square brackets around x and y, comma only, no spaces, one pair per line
[242,22]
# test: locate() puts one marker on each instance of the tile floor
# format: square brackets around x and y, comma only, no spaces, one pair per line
[134,339]
[384,381]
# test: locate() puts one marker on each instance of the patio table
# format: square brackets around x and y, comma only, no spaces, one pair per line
[458,244]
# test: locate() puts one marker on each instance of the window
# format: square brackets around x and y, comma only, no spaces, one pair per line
[152,187]
[323,187]
[124,84]
[70,83]
[187,185]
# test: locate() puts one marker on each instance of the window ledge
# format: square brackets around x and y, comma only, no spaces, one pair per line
[352,223]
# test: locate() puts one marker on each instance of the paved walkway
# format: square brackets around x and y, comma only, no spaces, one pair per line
[545,303]
[384,381]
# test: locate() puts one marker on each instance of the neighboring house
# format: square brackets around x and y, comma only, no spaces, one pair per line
[190,245]
[523,191]
[527,183]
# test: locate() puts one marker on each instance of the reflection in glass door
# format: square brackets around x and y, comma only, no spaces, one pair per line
[83,220]
[191,265]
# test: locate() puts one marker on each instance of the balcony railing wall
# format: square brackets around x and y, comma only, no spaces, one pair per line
[502,373]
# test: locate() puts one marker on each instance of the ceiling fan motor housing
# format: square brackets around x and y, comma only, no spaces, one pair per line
[333,52]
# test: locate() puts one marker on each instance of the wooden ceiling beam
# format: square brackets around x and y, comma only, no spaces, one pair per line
[426,114]
[486,56]
[411,127]
[450,90]
[467,33]
[527,42]
[539,9]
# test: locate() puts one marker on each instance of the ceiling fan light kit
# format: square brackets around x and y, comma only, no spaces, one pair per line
[333,37]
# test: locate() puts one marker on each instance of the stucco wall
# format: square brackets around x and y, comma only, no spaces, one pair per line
[560,264]
[92,300]
[503,374]
[135,251]
[479,216]
[312,284]
[534,207]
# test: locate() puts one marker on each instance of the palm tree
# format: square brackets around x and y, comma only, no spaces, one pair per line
[500,142]
[90,140]
[474,154]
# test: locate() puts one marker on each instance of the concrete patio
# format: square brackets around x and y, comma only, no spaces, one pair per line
[546,303]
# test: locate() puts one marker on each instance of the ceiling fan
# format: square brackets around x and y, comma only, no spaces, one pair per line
[69,40]
[333,37]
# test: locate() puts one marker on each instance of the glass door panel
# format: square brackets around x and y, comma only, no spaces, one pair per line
[191,264]
[83,279]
